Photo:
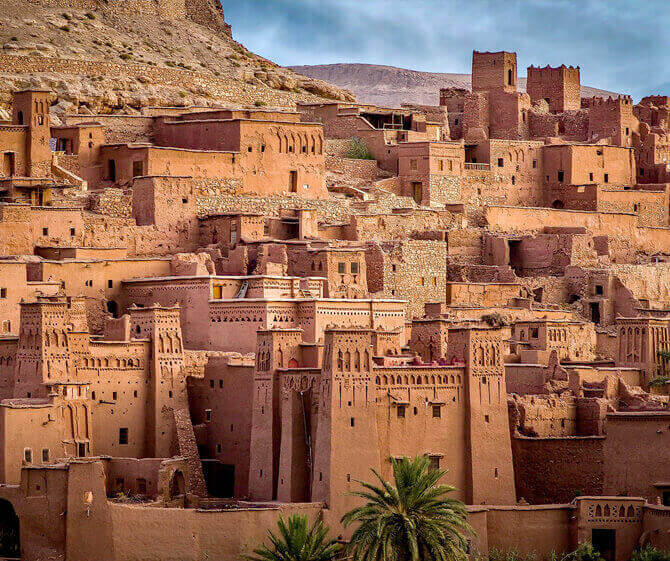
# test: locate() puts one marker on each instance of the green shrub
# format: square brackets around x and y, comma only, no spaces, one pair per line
[584,552]
[358,150]
[659,381]
[125,56]
[64,28]
[510,555]
[259,103]
[649,553]
[495,320]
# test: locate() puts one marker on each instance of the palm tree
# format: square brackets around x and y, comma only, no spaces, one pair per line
[410,521]
[298,541]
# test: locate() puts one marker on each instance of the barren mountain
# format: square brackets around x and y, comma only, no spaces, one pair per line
[387,85]
[122,55]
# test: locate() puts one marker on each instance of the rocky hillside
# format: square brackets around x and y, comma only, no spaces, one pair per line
[122,55]
[387,85]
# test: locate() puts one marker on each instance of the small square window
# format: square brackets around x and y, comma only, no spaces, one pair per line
[221,384]
[437,411]
[45,231]
[184,200]
[3,293]
[354,268]
[28,455]
[211,383]
[561,176]
[534,332]
[114,395]
[591,176]
[534,164]
[45,455]
[501,162]
[72,232]
[599,289]
[208,414]
[351,422]
[110,284]
[218,448]
[487,419]
[434,463]
[123,435]
[401,411]
[607,177]
[341,268]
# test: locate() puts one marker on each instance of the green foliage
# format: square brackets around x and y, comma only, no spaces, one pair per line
[298,541]
[495,320]
[659,381]
[410,521]
[260,103]
[125,56]
[358,150]
[64,28]
[665,355]
[510,555]
[649,553]
[584,552]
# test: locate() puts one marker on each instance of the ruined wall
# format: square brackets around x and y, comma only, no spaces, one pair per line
[411,270]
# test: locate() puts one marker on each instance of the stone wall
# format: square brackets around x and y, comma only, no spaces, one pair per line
[412,270]
[113,202]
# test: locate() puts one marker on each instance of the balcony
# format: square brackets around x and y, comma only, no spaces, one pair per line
[477,167]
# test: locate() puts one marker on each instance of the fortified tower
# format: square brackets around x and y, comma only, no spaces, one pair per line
[490,473]
[167,385]
[43,355]
[30,108]
[275,349]
[346,445]
[493,71]
[560,87]
[612,119]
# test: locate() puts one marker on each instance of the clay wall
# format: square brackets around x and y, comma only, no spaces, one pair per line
[631,435]
[222,402]
[556,469]
[481,294]
[23,227]
[269,152]
[541,530]
[13,139]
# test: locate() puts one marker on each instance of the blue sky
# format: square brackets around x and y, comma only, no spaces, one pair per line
[620,45]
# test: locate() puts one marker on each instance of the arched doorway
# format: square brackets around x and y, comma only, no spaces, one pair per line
[10,545]
[177,485]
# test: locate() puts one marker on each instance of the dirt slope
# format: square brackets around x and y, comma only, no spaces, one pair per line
[135,51]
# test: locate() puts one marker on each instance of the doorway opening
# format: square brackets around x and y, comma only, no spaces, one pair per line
[605,542]
[10,545]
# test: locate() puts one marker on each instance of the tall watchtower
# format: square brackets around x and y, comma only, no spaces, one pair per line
[493,71]
[31,108]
